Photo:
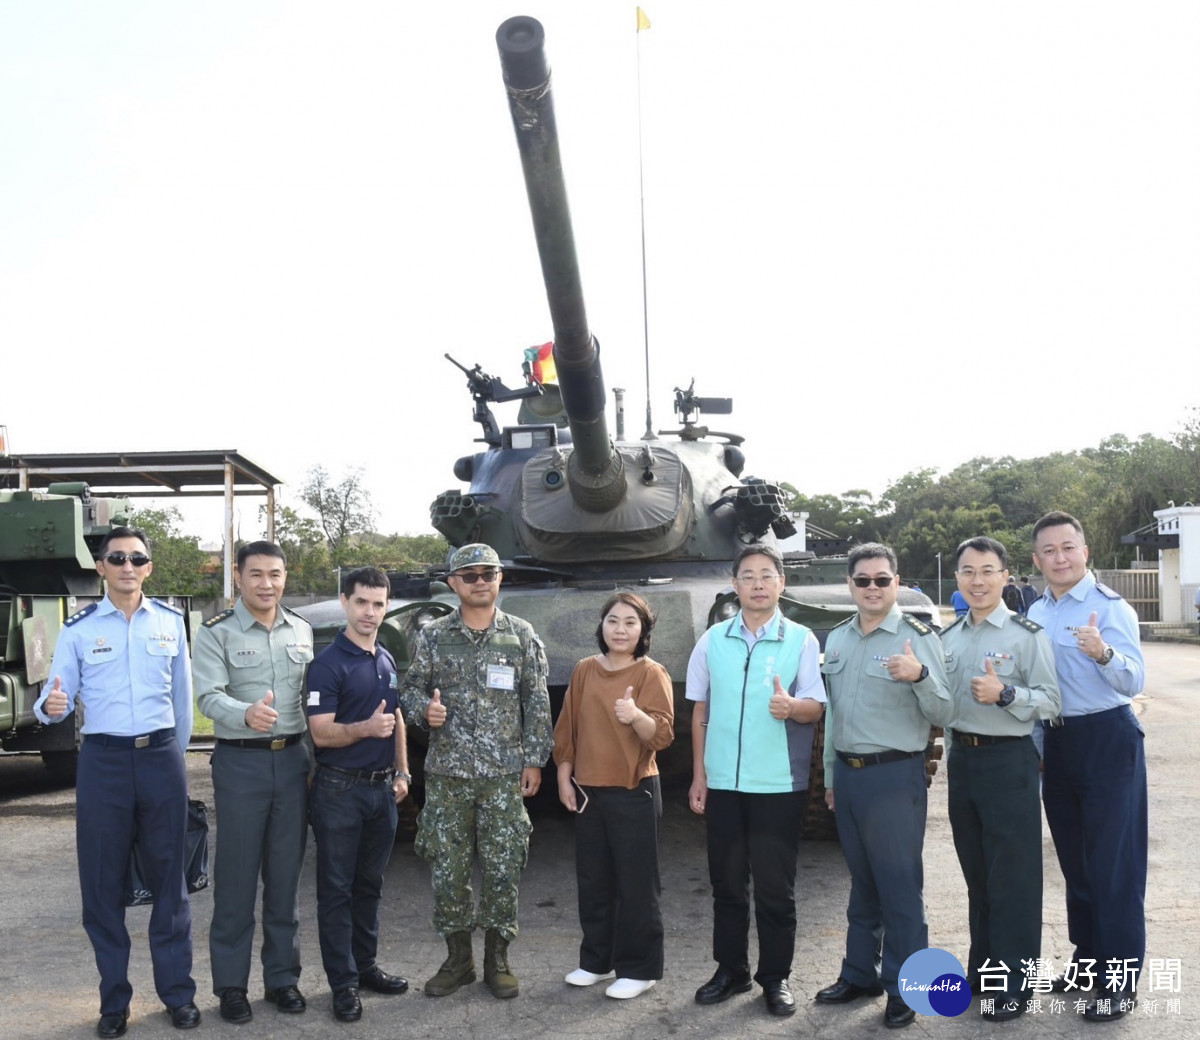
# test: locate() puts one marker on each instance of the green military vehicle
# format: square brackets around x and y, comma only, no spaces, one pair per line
[575,514]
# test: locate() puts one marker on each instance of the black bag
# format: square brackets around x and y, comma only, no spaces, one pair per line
[195,851]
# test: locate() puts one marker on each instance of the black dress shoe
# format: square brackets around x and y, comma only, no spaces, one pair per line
[186,1016]
[1006,1011]
[375,978]
[778,996]
[234,1005]
[897,1014]
[842,992]
[1110,1006]
[112,1024]
[722,986]
[346,1005]
[286,998]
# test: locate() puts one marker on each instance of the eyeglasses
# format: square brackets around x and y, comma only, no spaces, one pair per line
[470,577]
[986,574]
[117,559]
[750,579]
[881,582]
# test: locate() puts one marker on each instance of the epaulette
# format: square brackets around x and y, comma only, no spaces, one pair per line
[1025,623]
[216,619]
[844,621]
[916,623]
[80,615]
[956,621]
[1106,592]
[167,606]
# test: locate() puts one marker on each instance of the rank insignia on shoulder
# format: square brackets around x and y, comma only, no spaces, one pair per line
[216,619]
[1025,623]
[1106,592]
[956,621]
[921,628]
[80,615]
[168,606]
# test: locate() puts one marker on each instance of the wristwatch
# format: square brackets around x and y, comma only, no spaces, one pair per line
[924,673]
[1006,696]
[406,777]
[1106,656]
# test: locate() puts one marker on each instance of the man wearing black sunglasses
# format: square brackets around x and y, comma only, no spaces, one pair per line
[125,660]
[886,675]
[477,685]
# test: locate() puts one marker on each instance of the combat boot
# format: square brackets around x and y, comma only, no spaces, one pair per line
[502,982]
[458,968]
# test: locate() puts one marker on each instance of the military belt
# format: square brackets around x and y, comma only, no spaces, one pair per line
[982,739]
[876,759]
[159,736]
[266,744]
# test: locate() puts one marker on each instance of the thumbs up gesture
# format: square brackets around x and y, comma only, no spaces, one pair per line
[986,688]
[1089,639]
[435,711]
[56,700]
[626,710]
[260,716]
[381,723]
[781,702]
[904,667]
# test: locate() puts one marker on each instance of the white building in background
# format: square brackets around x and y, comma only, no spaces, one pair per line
[1178,561]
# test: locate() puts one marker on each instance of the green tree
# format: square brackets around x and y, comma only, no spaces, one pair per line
[343,508]
[181,568]
[304,545]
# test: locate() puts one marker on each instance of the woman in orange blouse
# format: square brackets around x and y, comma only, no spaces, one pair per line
[617,712]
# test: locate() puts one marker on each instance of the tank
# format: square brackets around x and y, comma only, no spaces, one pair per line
[48,542]
[576,512]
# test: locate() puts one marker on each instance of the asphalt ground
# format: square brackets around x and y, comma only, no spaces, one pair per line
[48,977]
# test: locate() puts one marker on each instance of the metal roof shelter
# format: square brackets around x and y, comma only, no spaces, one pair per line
[153,474]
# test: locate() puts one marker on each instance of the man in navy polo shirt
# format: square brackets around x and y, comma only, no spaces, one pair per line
[362,773]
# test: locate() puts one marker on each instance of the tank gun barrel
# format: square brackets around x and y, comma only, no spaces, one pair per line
[596,474]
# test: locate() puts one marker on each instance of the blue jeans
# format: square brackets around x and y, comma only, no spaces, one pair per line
[354,822]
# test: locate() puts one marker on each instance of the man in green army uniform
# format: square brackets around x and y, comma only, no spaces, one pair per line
[477,685]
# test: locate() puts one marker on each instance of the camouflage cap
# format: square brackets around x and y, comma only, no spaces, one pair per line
[475,554]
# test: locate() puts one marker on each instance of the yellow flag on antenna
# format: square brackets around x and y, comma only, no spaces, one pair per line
[643,21]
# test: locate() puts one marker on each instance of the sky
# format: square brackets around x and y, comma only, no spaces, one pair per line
[898,234]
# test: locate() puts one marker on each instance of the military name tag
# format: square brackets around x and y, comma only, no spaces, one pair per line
[501,677]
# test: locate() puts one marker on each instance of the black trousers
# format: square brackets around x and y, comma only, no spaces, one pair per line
[616,866]
[996,816]
[754,836]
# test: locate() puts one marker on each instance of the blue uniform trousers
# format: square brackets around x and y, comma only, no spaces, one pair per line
[880,813]
[1095,795]
[123,791]
[354,823]
[754,835]
[261,799]
[616,871]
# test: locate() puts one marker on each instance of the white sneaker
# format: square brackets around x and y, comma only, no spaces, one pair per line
[623,989]
[579,977]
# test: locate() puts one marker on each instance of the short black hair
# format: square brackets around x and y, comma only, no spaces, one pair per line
[982,543]
[640,607]
[122,532]
[872,551]
[367,577]
[1057,518]
[258,549]
[769,551]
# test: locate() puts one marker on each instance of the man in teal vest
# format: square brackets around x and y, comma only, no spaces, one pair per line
[756,683]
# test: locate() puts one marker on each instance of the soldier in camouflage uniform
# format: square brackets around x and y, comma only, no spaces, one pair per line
[477,685]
